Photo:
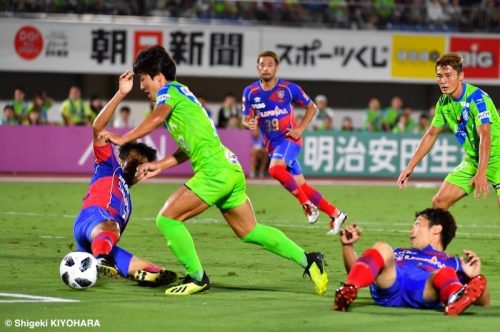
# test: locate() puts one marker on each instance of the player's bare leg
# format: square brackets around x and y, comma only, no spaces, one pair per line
[447,195]
[149,274]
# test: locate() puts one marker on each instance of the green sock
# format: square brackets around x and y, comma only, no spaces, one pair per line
[181,243]
[275,241]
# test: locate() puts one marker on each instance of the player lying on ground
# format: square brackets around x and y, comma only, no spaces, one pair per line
[218,177]
[268,106]
[107,205]
[422,276]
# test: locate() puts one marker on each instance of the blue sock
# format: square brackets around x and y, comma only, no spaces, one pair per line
[122,260]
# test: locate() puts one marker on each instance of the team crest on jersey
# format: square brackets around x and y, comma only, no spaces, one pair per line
[281,94]
[465,115]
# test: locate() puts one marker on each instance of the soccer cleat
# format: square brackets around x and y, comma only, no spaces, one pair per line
[336,223]
[466,296]
[153,278]
[189,286]
[311,212]
[106,267]
[344,296]
[315,270]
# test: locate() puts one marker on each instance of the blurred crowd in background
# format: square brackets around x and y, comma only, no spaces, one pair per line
[410,15]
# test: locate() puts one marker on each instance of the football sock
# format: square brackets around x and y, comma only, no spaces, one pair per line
[275,241]
[104,242]
[317,199]
[181,243]
[121,259]
[280,173]
[446,282]
[365,269]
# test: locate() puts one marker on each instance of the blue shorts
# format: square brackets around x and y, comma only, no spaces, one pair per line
[288,151]
[406,291]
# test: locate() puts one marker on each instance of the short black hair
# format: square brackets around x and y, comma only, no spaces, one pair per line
[441,217]
[139,150]
[153,61]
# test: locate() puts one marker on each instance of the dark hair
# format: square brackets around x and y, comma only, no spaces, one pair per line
[138,150]
[125,109]
[153,61]
[8,106]
[271,54]
[451,59]
[440,217]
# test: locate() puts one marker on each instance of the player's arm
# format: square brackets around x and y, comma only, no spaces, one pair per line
[479,180]
[151,169]
[424,146]
[348,236]
[125,83]
[250,122]
[296,132]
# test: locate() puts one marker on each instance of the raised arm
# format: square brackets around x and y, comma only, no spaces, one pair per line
[125,83]
[348,236]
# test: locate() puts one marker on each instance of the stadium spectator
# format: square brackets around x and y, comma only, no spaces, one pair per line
[259,160]
[20,106]
[41,104]
[124,120]
[34,118]
[347,124]
[473,117]
[96,104]
[373,115]
[9,116]
[326,125]
[405,122]
[435,12]
[227,109]
[422,277]
[218,177]
[107,206]
[423,123]
[74,110]
[323,112]
[268,105]
[204,102]
[391,114]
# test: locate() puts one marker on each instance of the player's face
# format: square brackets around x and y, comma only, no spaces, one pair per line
[150,86]
[267,68]
[450,82]
[421,234]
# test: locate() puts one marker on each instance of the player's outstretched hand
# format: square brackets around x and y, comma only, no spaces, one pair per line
[126,82]
[147,170]
[112,138]
[471,264]
[350,234]
[404,177]
[480,183]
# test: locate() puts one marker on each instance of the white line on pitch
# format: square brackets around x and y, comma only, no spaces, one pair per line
[32,298]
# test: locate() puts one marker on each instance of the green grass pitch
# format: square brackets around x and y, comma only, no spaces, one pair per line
[252,290]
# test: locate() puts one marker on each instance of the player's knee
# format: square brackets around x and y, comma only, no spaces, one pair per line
[274,171]
[384,249]
[439,202]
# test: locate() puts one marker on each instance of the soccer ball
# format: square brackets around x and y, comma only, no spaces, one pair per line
[79,270]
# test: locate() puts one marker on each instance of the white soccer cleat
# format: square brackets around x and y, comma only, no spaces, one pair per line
[336,223]
[311,212]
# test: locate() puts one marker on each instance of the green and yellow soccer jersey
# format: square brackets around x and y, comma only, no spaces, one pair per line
[473,109]
[193,130]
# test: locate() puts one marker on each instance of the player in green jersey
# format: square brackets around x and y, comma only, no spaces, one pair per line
[218,177]
[472,116]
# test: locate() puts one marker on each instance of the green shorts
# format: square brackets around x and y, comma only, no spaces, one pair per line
[462,174]
[222,187]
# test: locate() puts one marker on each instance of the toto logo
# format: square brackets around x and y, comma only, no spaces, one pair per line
[28,42]
[476,58]
[417,55]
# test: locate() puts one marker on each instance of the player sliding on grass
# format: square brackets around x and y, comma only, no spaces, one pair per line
[472,116]
[107,206]
[268,104]
[218,177]
[422,276]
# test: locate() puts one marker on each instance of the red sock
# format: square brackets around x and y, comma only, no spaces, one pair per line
[446,282]
[318,200]
[280,173]
[365,269]
[103,243]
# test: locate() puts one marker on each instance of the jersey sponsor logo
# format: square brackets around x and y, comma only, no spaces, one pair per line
[483,115]
[258,106]
[276,112]
[161,98]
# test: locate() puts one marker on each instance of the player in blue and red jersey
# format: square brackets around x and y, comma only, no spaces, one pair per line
[422,276]
[107,206]
[268,104]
